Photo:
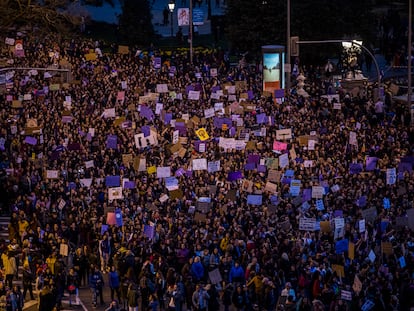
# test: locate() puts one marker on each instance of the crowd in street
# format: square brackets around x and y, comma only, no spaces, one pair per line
[185,187]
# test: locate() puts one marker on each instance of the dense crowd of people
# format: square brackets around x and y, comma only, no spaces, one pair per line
[185,187]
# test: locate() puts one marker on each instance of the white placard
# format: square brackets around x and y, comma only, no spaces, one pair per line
[284,134]
[142,142]
[308,163]
[391,176]
[194,95]
[353,138]
[199,164]
[213,166]
[317,192]
[163,198]
[209,113]
[307,224]
[284,160]
[231,89]
[361,225]
[176,136]
[339,223]
[163,171]
[346,295]
[91,131]
[158,108]
[311,144]
[162,88]
[86,182]
[9,41]
[115,193]
[52,174]
[89,164]
[109,113]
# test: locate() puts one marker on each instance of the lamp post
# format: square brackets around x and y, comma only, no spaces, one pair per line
[171,6]
[410,52]
[288,52]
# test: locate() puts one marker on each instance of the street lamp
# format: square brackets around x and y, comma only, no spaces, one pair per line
[171,6]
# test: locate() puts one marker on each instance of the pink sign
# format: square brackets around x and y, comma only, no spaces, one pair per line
[279,146]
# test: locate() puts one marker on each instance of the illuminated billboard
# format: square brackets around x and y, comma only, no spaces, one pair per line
[273,67]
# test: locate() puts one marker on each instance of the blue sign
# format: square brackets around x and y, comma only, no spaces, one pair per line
[198,17]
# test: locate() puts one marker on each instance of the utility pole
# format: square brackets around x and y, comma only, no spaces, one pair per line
[288,52]
[190,36]
[410,26]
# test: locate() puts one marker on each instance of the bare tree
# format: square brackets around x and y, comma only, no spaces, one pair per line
[46,14]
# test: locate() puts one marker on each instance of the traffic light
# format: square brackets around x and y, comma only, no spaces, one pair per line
[294,46]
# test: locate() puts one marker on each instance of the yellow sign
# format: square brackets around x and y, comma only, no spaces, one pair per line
[90,56]
[202,134]
[152,169]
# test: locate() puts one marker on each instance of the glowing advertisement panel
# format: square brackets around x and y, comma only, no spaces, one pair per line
[273,71]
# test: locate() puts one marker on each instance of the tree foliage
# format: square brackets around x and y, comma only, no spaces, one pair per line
[135,26]
[49,15]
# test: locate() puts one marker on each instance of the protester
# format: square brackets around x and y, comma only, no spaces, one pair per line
[157,167]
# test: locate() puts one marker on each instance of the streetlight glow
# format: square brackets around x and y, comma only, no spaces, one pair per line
[171,7]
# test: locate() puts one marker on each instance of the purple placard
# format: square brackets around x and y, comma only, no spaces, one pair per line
[149,231]
[218,122]
[197,144]
[189,88]
[280,93]
[232,176]
[232,131]
[362,201]
[111,142]
[370,163]
[72,185]
[146,112]
[157,62]
[30,140]
[118,217]
[306,194]
[253,158]
[249,166]
[338,213]
[250,94]
[104,228]
[89,137]
[409,159]
[214,89]
[126,124]
[146,130]
[180,126]
[179,172]
[262,168]
[261,118]
[286,180]
[355,168]
[129,184]
[112,181]
[405,167]
[167,118]
[67,119]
